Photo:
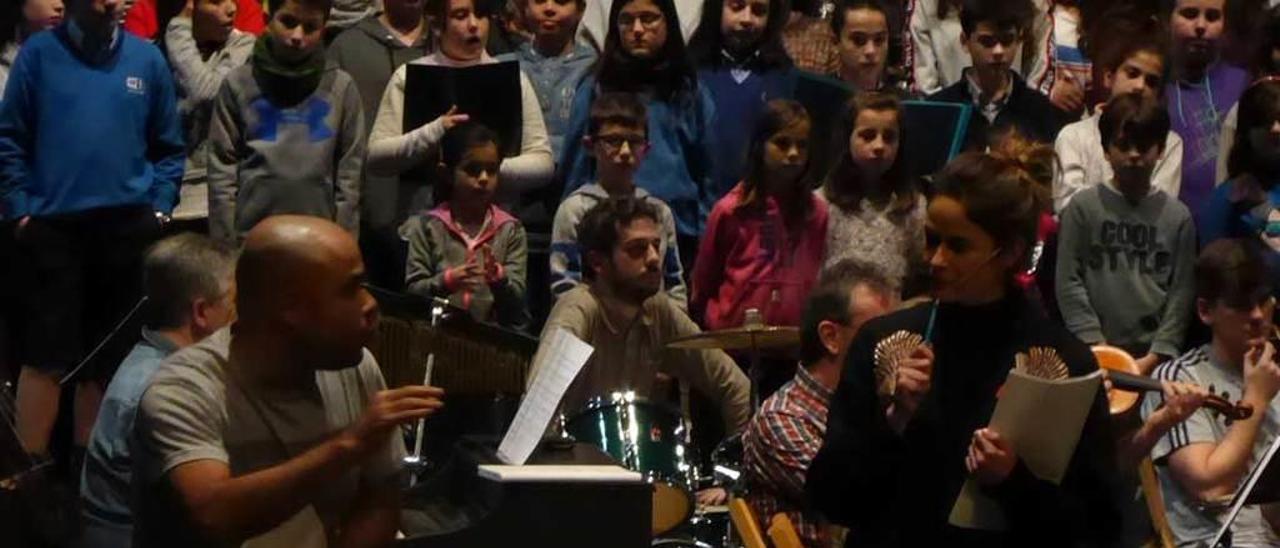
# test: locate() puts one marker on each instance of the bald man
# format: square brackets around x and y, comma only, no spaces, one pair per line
[278,430]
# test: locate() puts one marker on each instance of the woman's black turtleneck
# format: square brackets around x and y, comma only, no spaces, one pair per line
[898,490]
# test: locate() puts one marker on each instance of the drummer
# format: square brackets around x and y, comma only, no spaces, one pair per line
[616,312]
[787,432]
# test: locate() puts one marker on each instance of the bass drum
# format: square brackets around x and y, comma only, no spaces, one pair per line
[645,437]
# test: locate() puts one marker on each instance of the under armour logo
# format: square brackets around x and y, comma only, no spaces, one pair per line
[311,114]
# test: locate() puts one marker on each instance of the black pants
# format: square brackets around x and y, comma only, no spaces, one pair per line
[80,274]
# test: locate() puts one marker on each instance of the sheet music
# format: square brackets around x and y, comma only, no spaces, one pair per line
[1242,494]
[555,366]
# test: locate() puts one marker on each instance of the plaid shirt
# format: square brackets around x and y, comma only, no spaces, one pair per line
[778,447]
[811,44]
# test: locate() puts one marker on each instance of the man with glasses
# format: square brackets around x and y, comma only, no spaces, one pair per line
[617,136]
[1203,458]
[787,433]
[993,31]
[618,312]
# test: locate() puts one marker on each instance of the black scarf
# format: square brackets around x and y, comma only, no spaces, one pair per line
[286,83]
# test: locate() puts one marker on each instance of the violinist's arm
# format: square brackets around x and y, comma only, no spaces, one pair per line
[1180,401]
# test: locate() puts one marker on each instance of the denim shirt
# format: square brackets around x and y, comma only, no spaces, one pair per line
[555,80]
[105,486]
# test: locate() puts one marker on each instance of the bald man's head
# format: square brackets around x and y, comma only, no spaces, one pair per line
[303,276]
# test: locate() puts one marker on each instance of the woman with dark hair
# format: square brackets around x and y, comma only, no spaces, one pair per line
[877,213]
[1239,207]
[22,18]
[644,54]
[897,453]
[740,59]
[1265,61]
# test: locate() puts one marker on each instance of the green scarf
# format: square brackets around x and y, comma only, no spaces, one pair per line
[284,83]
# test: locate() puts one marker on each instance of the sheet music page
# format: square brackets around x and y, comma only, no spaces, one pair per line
[1043,421]
[555,366]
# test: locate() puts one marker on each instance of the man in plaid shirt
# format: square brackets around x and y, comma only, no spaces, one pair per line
[786,434]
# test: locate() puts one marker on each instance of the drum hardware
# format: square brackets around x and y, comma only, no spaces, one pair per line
[414,461]
[753,336]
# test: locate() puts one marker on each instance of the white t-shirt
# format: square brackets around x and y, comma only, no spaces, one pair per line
[194,410]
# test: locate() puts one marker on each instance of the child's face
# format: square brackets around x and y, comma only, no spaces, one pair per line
[742,23]
[42,14]
[787,152]
[465,31]
[212,20]
[1264,142]
[476,177]
[643,29]
[992,49]
[873,145]
[1133,165]
[1197,27]
[619,148]
[864,42]
[1140,74]
[297,30]
[552,17]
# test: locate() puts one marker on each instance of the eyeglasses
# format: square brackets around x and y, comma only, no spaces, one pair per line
[647,20]
[615,142]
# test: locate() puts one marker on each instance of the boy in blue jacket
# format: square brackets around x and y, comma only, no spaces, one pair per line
[91,156]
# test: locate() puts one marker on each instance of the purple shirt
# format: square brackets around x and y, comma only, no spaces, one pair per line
[1196,111]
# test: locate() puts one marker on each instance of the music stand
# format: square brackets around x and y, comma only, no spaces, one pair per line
[1262,485]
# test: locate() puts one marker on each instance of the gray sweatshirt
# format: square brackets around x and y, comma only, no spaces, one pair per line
[266,160]
[1124,273]
[198,80]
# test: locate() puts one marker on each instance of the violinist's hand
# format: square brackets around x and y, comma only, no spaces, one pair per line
[1180,401]
[991,459]
[915,376]
[1261,376]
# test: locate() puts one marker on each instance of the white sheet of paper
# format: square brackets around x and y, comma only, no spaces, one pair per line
[1043,421]
[559,473]
[554,367]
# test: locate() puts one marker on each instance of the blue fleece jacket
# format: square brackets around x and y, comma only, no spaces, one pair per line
[678,166]
[75,135]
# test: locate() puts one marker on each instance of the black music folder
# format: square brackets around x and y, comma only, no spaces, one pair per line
[1261,486]
[490,94]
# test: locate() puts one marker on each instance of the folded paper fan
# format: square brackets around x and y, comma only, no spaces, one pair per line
[1041,362]
[890,352]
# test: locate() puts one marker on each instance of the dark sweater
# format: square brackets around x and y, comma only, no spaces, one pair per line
[896,490]
[1027,110]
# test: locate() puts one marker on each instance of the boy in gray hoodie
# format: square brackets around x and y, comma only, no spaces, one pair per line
[288,132]
[202,47]
[1126,249]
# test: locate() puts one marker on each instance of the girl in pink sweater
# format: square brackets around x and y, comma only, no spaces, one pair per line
[765,240]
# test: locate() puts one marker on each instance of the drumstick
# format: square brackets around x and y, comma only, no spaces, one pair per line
[426,381]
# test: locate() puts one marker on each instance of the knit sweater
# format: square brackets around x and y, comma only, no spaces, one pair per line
[744,93]
[1084,162]
[437,243]
[747,259]
[198,82]
[566,256]
[1124,273]
[393,150]
[266,159]
[874,235]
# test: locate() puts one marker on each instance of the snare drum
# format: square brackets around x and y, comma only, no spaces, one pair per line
[648,438]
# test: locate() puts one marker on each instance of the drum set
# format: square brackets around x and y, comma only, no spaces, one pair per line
[651,438]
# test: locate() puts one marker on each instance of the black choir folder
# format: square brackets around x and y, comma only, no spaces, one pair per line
[1261,486]
[490,94]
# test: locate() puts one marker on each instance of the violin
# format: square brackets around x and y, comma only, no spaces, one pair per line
[1128,385]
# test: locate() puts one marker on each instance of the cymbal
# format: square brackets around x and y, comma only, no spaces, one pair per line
[757,337]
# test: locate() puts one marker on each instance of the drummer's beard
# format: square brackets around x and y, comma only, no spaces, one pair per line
[641,287]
